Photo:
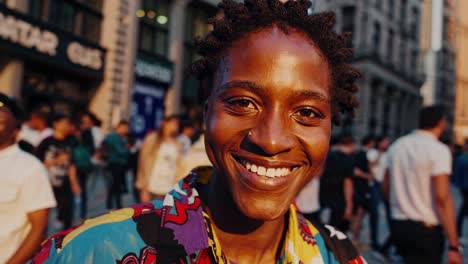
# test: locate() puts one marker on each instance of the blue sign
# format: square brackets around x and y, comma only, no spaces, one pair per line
[147,108]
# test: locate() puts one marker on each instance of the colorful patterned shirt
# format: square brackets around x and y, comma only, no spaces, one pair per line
[179,230]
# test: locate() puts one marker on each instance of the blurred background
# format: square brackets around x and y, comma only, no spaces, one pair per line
[125,59]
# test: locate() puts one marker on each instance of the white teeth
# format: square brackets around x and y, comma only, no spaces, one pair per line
[268,172]
[271,172]
[279,172]
[261,171]
[254,168]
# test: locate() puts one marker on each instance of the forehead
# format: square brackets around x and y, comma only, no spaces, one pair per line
[271,57]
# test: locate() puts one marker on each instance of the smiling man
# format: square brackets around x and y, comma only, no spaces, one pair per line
[281,79]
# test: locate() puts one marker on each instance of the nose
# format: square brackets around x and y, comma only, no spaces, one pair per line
[272,135]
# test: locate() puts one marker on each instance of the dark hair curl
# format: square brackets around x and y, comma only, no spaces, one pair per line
[240,19]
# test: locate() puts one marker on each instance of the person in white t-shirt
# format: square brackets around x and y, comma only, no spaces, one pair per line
[417,184]
[25,193]
[307,201]
[36,128]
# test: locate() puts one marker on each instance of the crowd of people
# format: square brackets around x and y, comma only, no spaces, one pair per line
[55,155]
[409,178]
[282,78]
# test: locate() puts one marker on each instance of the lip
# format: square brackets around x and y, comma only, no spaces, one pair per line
[264,183]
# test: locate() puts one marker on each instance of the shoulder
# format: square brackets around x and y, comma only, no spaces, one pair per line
[104,238]
[334,245]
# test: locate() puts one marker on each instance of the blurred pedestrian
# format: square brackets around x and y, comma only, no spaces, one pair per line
[363,202]
[187,132]
[25,192]
[196,157]
[134,152]
[307,201]
[417,184]
[460,177]
[378,170]
[91,133]
[159,160]
[336,183]
[56,154]
[81,157]
[117,157]
[36,129]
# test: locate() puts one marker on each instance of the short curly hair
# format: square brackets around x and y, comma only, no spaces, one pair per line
[240,19]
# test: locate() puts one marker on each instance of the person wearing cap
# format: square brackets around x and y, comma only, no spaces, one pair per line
[25,192]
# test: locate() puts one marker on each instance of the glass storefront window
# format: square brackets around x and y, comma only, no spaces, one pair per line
[80,17]
[196,25]
[154,26]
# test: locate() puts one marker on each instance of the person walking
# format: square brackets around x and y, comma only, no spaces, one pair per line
[23,210]
[159,161]
[117,156]
[336,183]
[56,154]
[460,178]
[417,184]
[363,203]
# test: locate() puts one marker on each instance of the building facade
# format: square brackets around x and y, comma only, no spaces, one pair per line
[438,51]
[120,59]
[386,42]
[460,32]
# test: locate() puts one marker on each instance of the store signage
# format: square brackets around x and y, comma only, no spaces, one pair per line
[154,69]
[27,35]
[84,56]
[35,39]
[147,108]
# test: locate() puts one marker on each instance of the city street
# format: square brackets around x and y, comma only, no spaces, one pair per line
[97,200]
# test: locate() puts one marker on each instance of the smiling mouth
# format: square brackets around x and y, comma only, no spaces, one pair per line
[267,171]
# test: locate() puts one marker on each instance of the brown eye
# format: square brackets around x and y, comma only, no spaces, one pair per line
[309,113]
[243,103]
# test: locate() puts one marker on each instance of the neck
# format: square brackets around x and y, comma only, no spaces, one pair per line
[434,131]
[7,144]
[237,232]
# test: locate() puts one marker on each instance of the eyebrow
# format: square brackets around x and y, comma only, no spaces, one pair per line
[257,88]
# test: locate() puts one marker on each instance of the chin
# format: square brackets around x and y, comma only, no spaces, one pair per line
[262,210]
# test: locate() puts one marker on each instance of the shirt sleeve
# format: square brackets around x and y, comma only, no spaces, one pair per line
[36,192]
[442,162]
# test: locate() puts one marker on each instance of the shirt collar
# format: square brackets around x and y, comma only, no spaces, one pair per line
[425,134]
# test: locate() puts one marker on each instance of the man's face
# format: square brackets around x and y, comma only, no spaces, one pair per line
[86,122]
[63,126]
[122,129]
[384,144]
[277,87]
[172,126]
[8,129]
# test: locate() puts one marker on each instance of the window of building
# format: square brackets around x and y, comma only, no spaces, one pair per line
[80,17]
[349,14]
[414,60]
[390,46]
[154,27]
[402,54]
[415,23]
[391,8]
[196,25]
[403,5]
[376,38]
[378,4]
